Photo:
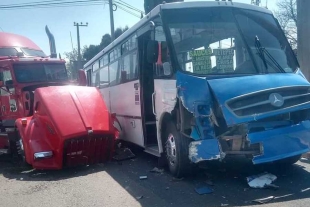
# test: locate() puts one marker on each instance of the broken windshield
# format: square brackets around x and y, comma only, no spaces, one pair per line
[26,73]
[222,41]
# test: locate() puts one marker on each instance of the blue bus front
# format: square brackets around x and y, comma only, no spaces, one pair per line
[239,84]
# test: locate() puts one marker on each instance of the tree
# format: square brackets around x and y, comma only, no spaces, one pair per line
[72,58]
[91,51]
[151,4]
[287,17]
[106,39]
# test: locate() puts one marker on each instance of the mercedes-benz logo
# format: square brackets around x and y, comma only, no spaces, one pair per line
[276,99]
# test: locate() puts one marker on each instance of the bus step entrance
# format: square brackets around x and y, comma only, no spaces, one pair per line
[150,122]
[152,150]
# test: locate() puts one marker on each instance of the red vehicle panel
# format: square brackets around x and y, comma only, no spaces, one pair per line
[68,126]
[15,40]
[46,120]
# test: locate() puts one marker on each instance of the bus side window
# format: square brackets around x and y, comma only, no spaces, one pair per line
[113,73]
[129,70]
[104,77]
[97,81]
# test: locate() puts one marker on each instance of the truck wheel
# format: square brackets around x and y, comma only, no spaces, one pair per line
[21,152]
[176,150]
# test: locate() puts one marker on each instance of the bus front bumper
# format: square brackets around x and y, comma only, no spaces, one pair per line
[276,144]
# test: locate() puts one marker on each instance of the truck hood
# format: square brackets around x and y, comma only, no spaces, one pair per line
[248,98]
[74,111]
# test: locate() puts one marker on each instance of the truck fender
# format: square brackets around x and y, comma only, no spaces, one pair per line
[33,137]
[22,130]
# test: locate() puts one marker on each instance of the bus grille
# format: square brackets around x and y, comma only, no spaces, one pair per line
[85,150]
[257,103]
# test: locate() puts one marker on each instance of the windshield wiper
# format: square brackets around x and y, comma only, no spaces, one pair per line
[262,51]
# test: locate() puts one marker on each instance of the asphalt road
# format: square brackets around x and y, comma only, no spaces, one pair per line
[118,184]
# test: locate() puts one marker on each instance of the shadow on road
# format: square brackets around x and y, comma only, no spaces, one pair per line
[229,181]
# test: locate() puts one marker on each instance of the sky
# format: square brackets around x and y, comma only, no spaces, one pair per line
[31,22]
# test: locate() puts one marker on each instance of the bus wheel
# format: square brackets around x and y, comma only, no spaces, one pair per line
[176,150]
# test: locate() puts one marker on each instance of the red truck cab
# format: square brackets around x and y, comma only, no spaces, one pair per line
[45,119]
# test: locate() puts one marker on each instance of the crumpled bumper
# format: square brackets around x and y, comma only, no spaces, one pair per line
[282,142]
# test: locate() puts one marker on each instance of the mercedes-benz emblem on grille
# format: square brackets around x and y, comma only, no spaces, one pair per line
[276,99]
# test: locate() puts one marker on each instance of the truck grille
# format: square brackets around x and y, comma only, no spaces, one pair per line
[269,100]
[85,150]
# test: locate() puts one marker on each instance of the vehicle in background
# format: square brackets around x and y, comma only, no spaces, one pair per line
[199,81]
[45,120]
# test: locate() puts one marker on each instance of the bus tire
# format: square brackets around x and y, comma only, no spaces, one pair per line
[176,150]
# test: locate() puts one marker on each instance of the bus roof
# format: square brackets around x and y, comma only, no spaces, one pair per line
[168,6]
[14,40]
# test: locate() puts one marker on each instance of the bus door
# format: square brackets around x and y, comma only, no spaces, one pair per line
[164,96]
[147,94]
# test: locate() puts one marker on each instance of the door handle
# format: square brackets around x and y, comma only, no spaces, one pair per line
[153,103]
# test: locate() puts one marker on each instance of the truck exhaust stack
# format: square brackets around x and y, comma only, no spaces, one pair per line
[52,42]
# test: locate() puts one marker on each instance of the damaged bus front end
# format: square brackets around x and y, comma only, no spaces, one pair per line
[266,122]
[239,89]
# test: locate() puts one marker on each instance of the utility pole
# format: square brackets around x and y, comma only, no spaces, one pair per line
[303,34]
[111,20]
[78,40]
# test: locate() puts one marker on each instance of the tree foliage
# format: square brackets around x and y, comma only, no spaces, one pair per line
[287,17]
[92,50]
[88,52]
[71,58]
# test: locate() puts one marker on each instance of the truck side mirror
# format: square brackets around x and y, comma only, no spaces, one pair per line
[152,51]
[82,81]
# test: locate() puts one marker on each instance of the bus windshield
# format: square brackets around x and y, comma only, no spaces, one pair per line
[215,41]
[48,72]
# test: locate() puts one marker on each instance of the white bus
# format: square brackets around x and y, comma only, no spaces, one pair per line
[199,81]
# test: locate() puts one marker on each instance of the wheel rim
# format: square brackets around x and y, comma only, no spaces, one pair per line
[20,148]
[171,150]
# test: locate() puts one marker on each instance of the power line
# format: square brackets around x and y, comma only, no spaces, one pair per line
[34,2]
[129,6]
[69,3]
[53,6]
[49,3]
[126,10]
[1,29]
[47,7]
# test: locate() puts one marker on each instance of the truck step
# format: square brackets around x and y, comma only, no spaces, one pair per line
[3,134]
[152,150]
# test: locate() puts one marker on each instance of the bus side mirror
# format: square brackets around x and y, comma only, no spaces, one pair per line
[152,51]
[82,81]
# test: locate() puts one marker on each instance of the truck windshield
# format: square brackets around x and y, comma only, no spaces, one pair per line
[32,52]
[26,73]
[217,41]
[8,52]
